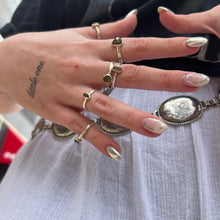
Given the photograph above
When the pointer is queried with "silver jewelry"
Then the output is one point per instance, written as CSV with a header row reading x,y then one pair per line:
x,y
111,128
117,43
58,130
116,68
107,78
177,110
78,139
182,110
87,96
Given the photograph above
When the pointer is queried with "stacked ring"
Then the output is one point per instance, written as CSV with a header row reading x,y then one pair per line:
x,y
96,27
116,69
117,43
109,79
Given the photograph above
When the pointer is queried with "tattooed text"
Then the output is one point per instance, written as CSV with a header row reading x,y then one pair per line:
x,y
34,80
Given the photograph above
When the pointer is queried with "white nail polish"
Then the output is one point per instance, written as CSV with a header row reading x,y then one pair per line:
x,y
113,153
134,11
154,125
164,9
196,79
196,41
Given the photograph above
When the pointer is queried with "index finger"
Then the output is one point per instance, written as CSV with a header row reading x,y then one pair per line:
x,y
120,28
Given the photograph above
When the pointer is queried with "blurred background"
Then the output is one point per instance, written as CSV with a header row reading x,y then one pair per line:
x,y
7,8
23,121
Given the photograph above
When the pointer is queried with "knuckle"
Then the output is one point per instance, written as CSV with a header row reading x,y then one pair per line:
x,y
171,43
97,136
102,105
141,44
131,119
166,79
77,125
116,28
130,73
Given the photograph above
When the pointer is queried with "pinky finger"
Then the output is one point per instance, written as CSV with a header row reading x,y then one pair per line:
x,y
89,131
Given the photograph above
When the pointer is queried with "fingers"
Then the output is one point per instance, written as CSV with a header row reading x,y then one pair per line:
x,y
137,77
204,22
79,124
149,78
120,28
142,77
135,49
120,113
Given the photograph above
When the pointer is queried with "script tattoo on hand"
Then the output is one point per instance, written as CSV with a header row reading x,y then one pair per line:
x,y
34,80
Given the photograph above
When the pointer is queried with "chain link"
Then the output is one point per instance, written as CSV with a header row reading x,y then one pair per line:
x,y
213,102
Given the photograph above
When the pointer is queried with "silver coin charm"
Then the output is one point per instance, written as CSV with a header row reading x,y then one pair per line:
x,y
38,128
110,128
181,110
61,131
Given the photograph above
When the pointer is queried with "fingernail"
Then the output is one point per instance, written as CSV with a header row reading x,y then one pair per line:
x,y
134,11
196,41
164,9
154,125
113,153
196,79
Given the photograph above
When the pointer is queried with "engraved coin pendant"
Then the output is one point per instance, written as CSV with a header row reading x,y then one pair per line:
x,y
111,128
180,110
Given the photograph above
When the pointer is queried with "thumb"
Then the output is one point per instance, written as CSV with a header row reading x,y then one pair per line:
x,y
204,22
121,28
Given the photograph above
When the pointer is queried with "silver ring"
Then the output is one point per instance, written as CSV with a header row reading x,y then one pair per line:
x,y
117,43
78,139
87,96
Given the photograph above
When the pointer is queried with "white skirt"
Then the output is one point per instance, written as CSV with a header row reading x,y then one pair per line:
x,y
174,176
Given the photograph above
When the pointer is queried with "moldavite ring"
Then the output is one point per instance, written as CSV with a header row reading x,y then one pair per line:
x,y
87,96
117,43
110,85
116,69
107,78
96,27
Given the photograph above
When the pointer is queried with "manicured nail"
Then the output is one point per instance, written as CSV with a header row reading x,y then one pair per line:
x,y
154,125
196,41
113,153
196,79
164,9
134,11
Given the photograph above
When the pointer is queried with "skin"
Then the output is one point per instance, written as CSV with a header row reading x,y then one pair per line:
x,y
74,62
204,22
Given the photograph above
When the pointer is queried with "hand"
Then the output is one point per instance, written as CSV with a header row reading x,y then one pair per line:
x,y
204,22
7,104
48,73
